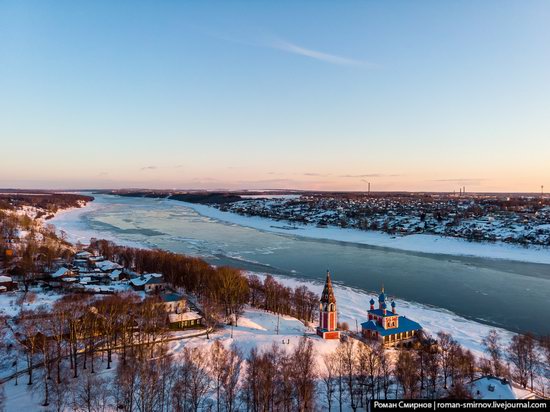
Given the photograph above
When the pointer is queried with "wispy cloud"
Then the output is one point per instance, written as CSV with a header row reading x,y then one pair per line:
x,y
293,48
469,180
316,174
149,168
368,175
289,47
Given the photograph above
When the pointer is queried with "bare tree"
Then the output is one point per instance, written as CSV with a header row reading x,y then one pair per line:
x,y
230,379
27,335
406,373
126,382
347,353
218,355
211,311
92,392
60,390
446,345
524,356
493,347
329,377
303,375
195,361
518,356
385,370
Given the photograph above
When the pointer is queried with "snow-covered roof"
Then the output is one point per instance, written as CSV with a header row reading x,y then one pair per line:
x,y
69,280
171,297
380,312
405,325
60,272
108,265
83,254
179,317
5,279
115,274
148,279
491,387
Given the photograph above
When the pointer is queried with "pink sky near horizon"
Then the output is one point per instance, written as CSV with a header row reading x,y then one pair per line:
x,y
410,96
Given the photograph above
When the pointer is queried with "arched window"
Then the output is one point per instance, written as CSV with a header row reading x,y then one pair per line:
x,y
331,307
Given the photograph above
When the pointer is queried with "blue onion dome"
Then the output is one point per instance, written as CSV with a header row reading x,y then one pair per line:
x,y
393,304
371,301
384,306
382,297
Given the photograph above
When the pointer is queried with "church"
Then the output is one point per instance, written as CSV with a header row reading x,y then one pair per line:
x,y
387,326
328,325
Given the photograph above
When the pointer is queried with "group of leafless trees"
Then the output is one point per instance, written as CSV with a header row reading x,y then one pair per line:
x,y
32,255
78,333
275,297
526,359
222,289
74,346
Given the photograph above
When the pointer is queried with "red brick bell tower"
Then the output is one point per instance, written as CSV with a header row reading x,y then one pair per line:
x,y
327,328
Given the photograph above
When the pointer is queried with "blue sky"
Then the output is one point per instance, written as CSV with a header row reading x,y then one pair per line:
x,y
408,95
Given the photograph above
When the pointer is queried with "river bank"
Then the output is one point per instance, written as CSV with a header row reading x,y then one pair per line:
x,y
420,243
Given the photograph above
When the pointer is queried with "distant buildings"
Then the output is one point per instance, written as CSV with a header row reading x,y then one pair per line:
x,y
482,217
386,325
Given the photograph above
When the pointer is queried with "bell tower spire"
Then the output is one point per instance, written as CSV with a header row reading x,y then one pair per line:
x,y
327,312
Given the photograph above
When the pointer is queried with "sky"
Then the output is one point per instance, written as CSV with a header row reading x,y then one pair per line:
x,y
406,95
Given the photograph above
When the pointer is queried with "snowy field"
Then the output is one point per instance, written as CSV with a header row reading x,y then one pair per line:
x,y
412,243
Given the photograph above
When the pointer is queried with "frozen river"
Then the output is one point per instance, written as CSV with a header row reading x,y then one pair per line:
x,y
511,295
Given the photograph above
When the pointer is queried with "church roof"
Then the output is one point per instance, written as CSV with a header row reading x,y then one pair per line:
x,y
328,294
380,312
405,325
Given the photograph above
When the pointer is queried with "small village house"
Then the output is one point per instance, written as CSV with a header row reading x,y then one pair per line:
x,y
491,387
152,282
7,284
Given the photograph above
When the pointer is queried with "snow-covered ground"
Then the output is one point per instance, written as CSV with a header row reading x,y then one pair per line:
x,y
353,304
413,243
258,329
